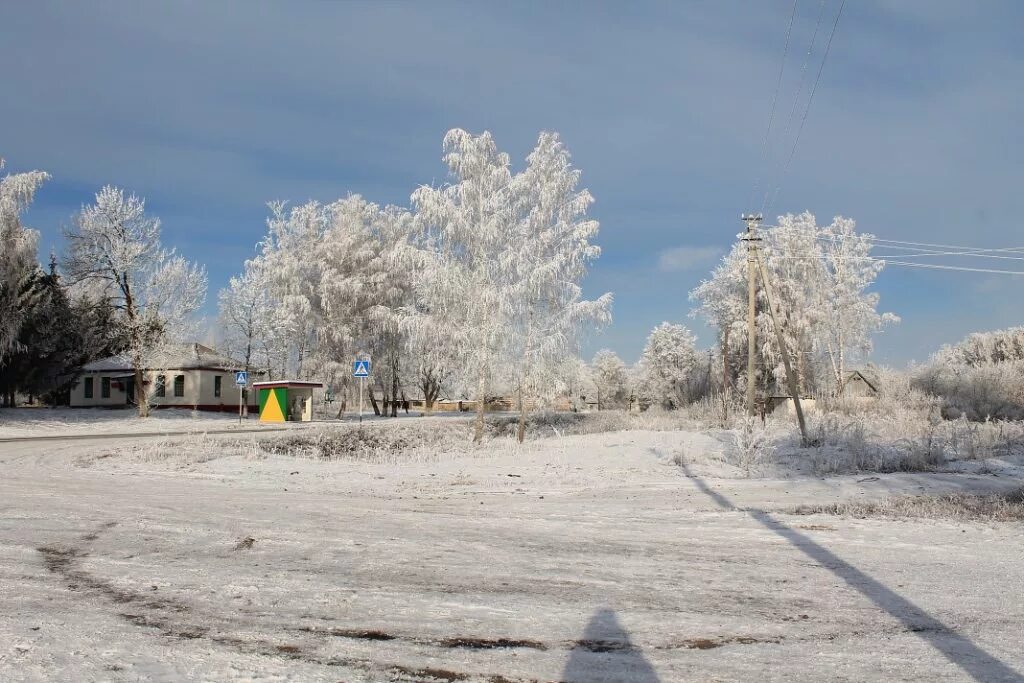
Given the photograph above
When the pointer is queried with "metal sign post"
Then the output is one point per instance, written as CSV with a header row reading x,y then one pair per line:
x,y
241,381
361,369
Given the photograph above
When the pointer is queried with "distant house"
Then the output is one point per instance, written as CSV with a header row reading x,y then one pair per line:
x,y
194,376
857,385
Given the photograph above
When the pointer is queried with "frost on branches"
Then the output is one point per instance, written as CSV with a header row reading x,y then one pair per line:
x,y
18,258
503,260
115,246
668,364
476,288
821,278
610,380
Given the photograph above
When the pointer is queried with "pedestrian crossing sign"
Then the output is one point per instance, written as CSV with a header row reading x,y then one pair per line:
x,y
361,368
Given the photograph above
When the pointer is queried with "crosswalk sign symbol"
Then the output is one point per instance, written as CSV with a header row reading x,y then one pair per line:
x,y
241,378
361,368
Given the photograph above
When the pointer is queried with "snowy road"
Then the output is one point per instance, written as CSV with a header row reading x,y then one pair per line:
x,y
586,559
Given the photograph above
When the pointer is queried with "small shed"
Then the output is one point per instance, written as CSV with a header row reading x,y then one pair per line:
x,y
287,400
857,385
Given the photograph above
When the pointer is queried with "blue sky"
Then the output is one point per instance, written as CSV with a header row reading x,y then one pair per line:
x,y
210,110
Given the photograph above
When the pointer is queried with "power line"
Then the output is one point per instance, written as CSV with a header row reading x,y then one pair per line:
x,y
936,266
775,99
796,96
917,255
888,262
881,240
807,109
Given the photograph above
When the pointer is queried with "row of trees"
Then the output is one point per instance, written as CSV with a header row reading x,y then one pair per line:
x,y
473,289
820,276
980,378
116,292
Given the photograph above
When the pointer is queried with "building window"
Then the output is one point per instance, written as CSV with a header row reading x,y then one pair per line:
x,y
216,386
104,387
179,385
161,386
88,387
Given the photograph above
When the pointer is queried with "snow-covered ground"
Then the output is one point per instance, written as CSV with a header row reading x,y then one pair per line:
x,y
586,558
25,422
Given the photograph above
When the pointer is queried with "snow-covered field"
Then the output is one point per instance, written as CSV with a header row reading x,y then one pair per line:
x,y
35,422
28,422
605,557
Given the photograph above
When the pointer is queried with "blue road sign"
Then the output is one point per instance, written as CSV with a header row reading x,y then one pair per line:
x,y
361,368
241,378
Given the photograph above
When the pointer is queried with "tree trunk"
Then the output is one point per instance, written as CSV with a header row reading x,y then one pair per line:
x,y
521,432
394,388
140,392
373,400
725,376
481,393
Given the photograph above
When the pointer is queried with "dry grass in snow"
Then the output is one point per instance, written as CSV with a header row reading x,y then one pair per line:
x,y
987,507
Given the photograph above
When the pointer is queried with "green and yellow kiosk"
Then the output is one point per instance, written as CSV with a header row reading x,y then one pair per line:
x,y
287,400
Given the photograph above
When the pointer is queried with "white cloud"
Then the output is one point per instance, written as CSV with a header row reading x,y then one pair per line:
x,y
687,258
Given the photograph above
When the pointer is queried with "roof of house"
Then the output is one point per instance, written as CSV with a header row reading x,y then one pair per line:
x,y
184,357
286,383
858,374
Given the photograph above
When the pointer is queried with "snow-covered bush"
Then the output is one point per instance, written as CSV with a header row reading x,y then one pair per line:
x,y
753,445
980,378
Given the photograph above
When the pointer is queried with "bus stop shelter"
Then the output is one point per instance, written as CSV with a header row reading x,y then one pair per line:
x,y
285,400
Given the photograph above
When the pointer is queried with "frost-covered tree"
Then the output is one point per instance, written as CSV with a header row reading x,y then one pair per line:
x,y
821,276
985,348
609,377
293,272
467,225
116,246
365,293
722,302
246,316
551,251
850,315
18,258
669,361
246,313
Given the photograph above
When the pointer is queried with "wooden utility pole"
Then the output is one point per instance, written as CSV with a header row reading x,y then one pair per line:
x,y
751,239
791,379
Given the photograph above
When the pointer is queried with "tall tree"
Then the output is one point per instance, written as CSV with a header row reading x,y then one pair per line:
x,y
289,250
821,277
552,249
365,291
51,345
246,317
722,302
18,258
117,246
467,225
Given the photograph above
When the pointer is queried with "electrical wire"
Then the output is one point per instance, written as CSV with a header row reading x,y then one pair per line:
x,y
807,109
796,96
775,99
884,241
889,262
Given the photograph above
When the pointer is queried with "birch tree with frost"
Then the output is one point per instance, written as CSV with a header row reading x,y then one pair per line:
x,y
466,225
114,244
551,249
669,361
288,251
